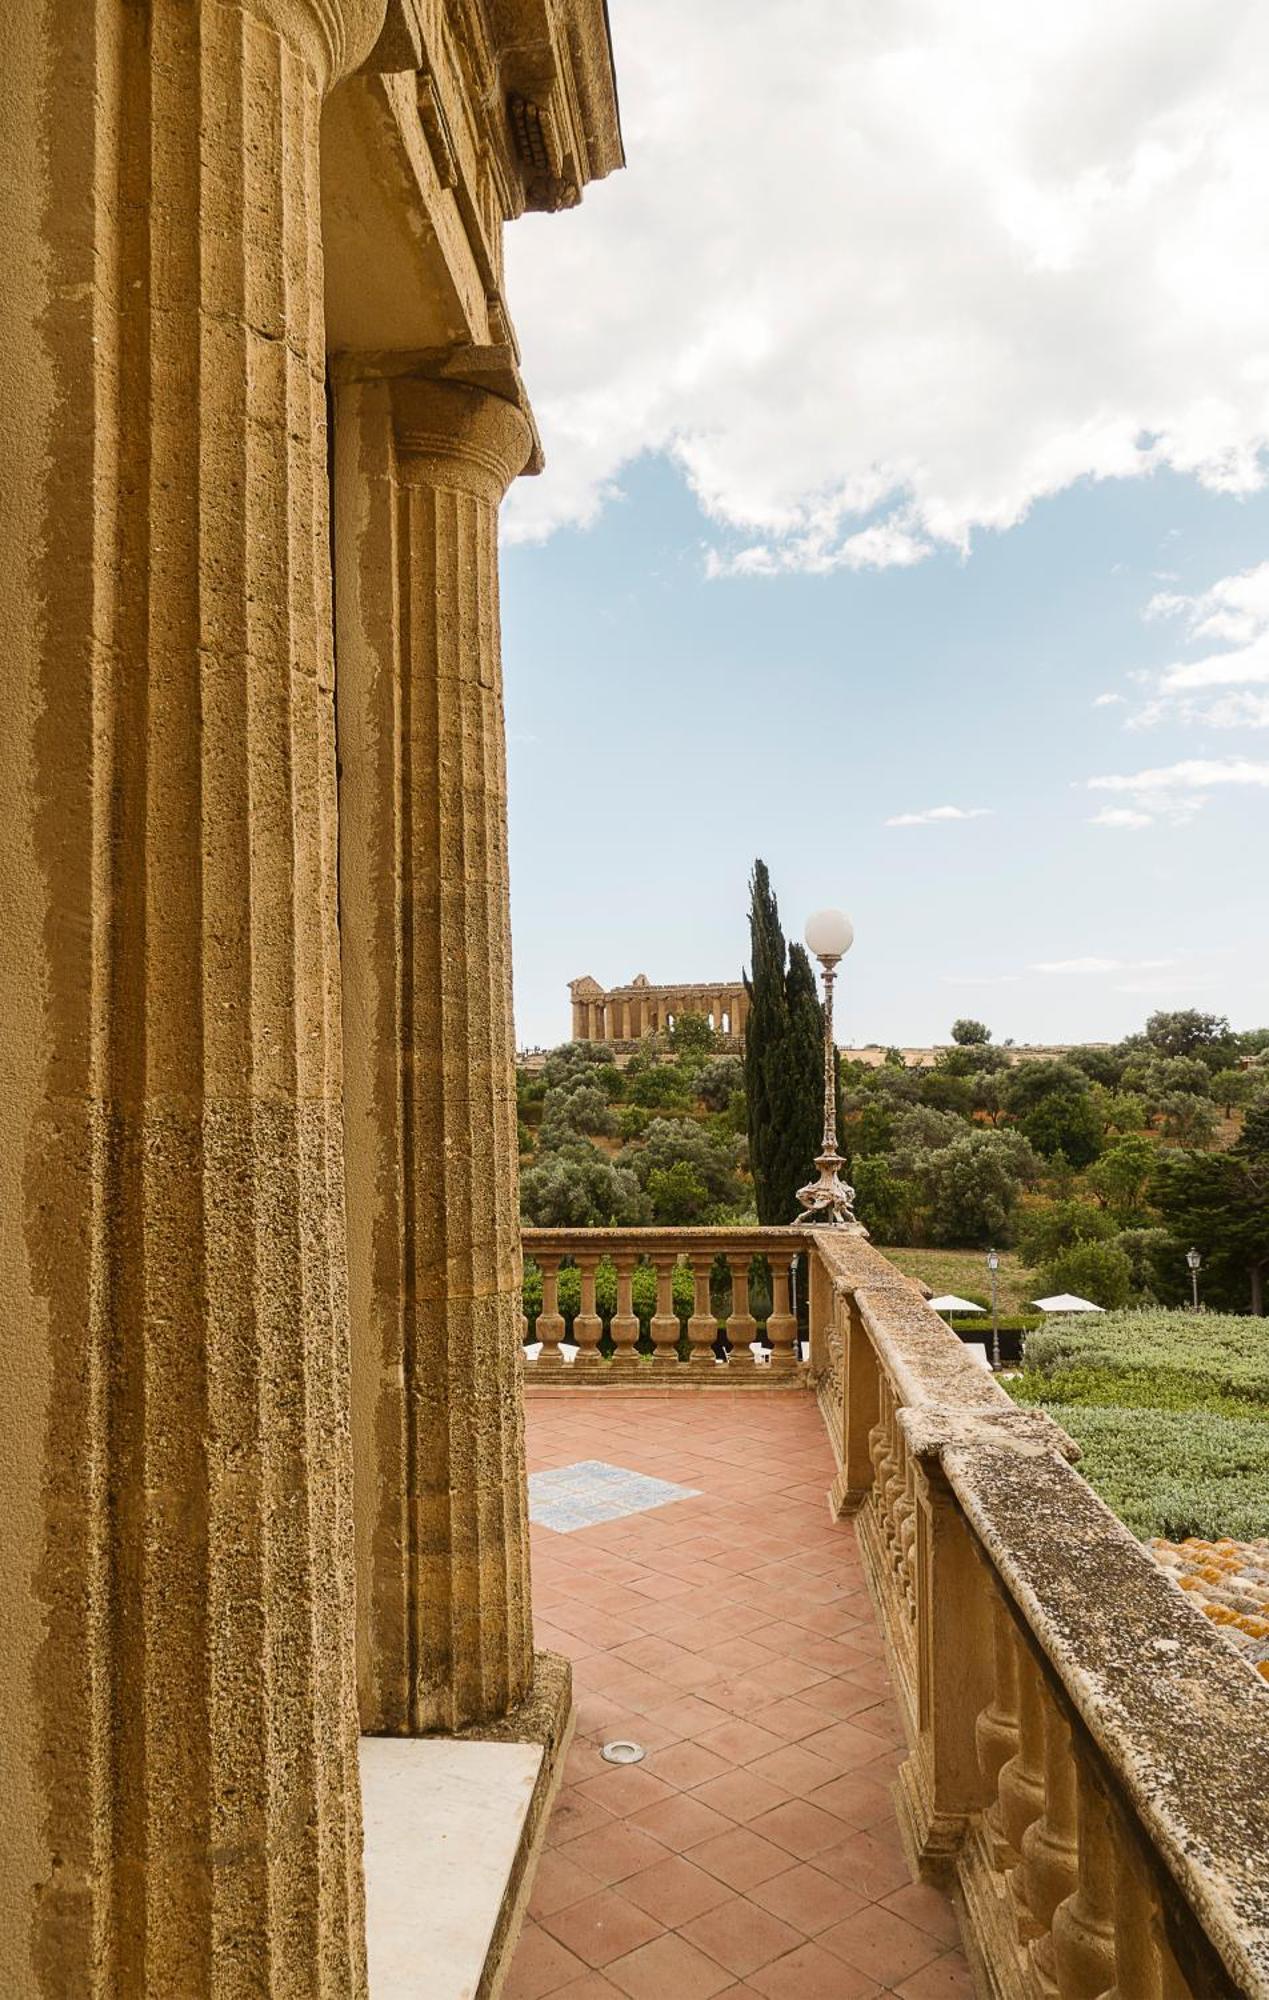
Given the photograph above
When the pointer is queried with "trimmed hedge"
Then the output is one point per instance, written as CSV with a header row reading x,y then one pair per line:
x,y
1153,1359
1173,1473
1171,1411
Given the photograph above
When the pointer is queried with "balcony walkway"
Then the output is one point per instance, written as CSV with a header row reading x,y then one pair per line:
x,y
754,1850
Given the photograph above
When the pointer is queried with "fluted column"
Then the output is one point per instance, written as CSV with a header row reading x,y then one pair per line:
x,y
444,1623
176,1292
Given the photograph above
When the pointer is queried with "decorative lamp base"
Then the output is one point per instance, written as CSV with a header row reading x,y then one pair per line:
x,y
830,1201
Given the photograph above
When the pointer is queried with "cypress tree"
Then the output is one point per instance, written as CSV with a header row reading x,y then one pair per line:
x,y
784,1059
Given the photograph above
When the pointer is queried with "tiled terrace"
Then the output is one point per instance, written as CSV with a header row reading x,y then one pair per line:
x,y
754,1850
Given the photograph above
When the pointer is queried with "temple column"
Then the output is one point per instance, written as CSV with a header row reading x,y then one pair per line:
x,y
183,1812
444,1627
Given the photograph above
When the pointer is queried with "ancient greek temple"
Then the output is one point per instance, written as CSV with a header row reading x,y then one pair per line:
x,y
628,1013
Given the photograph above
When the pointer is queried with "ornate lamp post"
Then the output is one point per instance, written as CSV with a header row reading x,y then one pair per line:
x,y
1195,1263
993,1265
829,1200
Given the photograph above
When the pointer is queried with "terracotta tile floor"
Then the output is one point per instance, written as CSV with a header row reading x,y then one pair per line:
x,y
754,1850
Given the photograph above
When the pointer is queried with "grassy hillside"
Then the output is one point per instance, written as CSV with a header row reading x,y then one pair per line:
x,y
965,1273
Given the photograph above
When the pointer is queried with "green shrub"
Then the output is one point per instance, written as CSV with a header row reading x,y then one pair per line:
x,y
1154,1358
661,1089
1097,1271
1174,1474
1049,1227
978,1326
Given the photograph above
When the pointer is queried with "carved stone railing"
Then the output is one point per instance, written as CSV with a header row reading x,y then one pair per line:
x,y
712,1343
1088,1759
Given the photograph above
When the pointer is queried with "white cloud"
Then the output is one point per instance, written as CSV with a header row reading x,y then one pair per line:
x,y
1094,965
893,273
1175,792
1122,816
1234,612
1191,774
1107,700
933,815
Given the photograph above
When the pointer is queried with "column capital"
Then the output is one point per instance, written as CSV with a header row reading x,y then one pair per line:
x,y
452,434
333,36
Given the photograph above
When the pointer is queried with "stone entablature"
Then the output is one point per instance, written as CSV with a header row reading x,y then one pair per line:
x,y
628,1013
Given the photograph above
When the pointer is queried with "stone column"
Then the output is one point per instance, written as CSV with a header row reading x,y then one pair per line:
x,y
444,1627
184,1815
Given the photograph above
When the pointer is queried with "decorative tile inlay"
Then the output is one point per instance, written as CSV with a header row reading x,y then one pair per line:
x,y
569,1497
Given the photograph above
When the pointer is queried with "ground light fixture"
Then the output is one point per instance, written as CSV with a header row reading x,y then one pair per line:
x,y
1195,1262
829,1201
623,1752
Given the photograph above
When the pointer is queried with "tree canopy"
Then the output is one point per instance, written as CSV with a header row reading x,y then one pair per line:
x,y
784,1060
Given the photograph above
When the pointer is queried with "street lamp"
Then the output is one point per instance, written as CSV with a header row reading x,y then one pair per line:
x,y
1195,1263
993,1265
829,1200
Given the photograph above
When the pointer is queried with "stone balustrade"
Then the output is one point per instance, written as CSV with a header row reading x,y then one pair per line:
x,y
717,1342
1088,1759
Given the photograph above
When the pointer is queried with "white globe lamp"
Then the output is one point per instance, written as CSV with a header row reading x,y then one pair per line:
x,y
829,934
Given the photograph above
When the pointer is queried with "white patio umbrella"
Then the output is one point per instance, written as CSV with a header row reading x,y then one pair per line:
x,y
1066,1302
949,1303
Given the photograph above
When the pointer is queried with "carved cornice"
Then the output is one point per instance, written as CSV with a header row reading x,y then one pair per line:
x,y
538,79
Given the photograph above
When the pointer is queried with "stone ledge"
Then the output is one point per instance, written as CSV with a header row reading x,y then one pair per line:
x,y
453,1827
929,1432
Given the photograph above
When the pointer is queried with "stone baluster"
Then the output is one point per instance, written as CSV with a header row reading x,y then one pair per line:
x,y
906,1508
588,1327
625,1323
1084,1925
879,1446
1050,1851
550,1327
1145,1968
1021,1781
782,1327
742,1327
665,1327
996,1730
702,1328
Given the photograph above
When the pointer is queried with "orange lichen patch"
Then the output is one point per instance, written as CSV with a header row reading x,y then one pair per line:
x,y
1230,1583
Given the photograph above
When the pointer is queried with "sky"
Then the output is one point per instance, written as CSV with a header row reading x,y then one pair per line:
x,y
906,515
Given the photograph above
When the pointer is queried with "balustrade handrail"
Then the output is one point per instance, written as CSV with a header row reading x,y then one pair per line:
x,y
755,1238
1106,1729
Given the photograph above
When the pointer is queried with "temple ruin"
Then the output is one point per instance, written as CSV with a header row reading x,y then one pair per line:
x,y
628,1013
